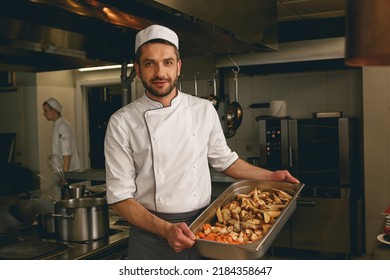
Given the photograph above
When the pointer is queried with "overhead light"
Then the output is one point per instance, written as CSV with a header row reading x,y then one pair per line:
x,y
108,67
367,35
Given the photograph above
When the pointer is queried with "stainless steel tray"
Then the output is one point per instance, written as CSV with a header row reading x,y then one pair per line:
x,y
256,250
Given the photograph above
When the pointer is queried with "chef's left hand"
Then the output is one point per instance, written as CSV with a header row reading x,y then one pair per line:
x,y
284,176
180,237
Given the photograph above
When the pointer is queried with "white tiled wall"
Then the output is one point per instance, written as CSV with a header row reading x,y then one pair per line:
x,y
304,93
376,104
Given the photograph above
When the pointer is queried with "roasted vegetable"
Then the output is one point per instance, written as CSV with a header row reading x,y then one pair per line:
x,y
247,218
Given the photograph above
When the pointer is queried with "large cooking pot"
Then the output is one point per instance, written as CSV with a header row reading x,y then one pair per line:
x,y
81,219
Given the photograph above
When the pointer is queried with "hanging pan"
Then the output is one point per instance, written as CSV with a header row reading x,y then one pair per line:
x,y
234,111
213,98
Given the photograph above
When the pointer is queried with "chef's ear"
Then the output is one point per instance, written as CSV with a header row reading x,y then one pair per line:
x,y
179,63
137,70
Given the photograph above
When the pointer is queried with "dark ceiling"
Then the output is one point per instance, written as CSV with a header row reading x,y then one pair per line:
x,y
48,35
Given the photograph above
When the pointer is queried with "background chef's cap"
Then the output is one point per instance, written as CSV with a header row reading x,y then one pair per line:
x,y
156,32
54,104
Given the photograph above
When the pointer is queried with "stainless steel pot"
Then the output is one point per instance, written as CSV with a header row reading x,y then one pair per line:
x,y
73,191
81,219
46,225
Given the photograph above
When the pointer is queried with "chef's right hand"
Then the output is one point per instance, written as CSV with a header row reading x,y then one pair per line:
x,y
180,237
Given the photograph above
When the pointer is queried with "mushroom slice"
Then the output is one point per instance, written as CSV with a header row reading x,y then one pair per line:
x,y
236,210
272,213
252,223
276,206
266,227
283,195
242,195
254,237
226,215
276,199
246,215
217,224
263,195
236,216
267,217
246,204
218,213
255,194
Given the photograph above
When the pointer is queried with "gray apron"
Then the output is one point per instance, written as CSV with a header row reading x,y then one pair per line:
x,y
144,245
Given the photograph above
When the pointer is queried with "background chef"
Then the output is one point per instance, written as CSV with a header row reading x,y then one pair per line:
x,y
63,140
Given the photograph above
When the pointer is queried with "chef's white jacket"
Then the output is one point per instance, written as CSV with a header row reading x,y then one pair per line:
x,y
64,142
160,155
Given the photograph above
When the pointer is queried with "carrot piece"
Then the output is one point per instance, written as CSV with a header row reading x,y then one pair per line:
x,y
228,239
208,237
219,239
206,226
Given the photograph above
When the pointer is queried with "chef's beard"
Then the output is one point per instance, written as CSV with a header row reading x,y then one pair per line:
x,y
172,86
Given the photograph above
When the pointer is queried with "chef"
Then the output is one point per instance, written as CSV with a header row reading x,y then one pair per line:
x,y
158,150
64,140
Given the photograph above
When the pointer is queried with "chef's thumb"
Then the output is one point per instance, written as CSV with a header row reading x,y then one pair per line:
x,y
186,231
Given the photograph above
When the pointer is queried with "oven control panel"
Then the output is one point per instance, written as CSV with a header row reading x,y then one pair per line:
x,y
274,146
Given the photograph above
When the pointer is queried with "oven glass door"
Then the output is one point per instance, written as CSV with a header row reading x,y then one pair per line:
x,y
318,153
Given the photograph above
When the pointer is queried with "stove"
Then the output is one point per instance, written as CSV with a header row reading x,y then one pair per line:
x,y
29,246
13,248
7,239
26,243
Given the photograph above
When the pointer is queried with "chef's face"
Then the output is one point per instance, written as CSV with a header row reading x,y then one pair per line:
x,y
158,69
49,112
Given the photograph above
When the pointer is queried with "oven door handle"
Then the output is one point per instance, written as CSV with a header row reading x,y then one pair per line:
x,y
290,156
306,204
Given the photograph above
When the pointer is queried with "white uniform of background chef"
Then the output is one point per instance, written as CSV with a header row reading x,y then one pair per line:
x,y
64,140
158,150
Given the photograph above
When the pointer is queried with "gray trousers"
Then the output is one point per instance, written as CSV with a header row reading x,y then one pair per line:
x,y
144,245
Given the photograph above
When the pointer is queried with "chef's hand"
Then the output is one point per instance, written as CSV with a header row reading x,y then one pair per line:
x,y
180,237
284,176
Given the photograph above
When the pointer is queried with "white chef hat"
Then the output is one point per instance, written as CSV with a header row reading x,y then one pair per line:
x,y
156,32
54,104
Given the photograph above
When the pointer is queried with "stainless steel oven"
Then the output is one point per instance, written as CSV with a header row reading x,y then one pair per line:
x,y
325,154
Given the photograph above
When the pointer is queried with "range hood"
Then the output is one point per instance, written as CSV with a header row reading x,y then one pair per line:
x,y
306,55
48,35
253,21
